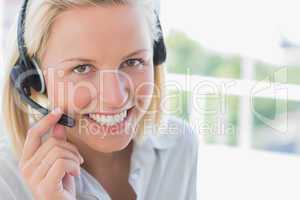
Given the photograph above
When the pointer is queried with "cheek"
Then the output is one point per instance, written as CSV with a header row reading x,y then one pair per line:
x,y
145,87
144,96
81,97
55,90
67,95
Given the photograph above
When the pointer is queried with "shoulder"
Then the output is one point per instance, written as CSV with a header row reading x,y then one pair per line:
x,y
187,136
176,141
176,146
8,163
179,133
11,182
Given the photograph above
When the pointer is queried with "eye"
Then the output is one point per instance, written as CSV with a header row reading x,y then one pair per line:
x,y
134,62
82,69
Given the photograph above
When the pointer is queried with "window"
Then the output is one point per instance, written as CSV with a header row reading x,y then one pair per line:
x,y
230,58
237,64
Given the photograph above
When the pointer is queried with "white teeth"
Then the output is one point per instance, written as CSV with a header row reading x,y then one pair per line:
x,y
109,120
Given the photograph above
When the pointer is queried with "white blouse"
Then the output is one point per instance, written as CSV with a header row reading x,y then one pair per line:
x,y
164,166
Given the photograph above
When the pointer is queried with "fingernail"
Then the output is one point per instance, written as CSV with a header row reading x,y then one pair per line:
x,y
57,111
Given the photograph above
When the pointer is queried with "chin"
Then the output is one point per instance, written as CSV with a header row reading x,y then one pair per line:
x,y
109,143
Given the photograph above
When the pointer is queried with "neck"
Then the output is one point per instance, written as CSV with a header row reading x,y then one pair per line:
x,y
99,163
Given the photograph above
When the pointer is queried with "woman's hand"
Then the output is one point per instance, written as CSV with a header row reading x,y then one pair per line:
x,y
48,168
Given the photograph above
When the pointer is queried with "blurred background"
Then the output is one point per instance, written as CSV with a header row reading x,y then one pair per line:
x,y
233,74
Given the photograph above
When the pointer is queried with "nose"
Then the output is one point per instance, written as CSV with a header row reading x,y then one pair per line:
x,y
112,90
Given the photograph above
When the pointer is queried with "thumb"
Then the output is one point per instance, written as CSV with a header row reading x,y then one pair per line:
x,y
59,132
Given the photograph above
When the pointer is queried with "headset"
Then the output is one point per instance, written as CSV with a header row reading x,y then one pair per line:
x,y
26,73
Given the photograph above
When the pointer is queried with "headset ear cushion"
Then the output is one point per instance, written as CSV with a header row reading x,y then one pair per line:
x,y
159,52
14,76
39,84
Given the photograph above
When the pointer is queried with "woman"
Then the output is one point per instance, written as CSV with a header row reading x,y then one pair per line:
x,y
96,57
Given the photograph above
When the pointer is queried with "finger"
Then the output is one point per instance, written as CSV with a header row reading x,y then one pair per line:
x,y
47,147
69,183
59,170
35,133
58,132
49,161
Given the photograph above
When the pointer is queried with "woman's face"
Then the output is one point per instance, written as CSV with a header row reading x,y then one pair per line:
x,y
98,60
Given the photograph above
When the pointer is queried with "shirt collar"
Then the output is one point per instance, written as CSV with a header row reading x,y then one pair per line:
x,y
142,160
165,136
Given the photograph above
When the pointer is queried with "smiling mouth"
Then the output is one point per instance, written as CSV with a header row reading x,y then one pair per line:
x,y
109,119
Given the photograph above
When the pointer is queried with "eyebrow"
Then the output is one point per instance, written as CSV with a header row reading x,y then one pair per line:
x,y
89,60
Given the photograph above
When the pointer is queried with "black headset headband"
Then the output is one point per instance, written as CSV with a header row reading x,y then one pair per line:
x,y
26,73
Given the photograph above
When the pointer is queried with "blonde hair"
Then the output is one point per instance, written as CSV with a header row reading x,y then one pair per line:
x,y
40,16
